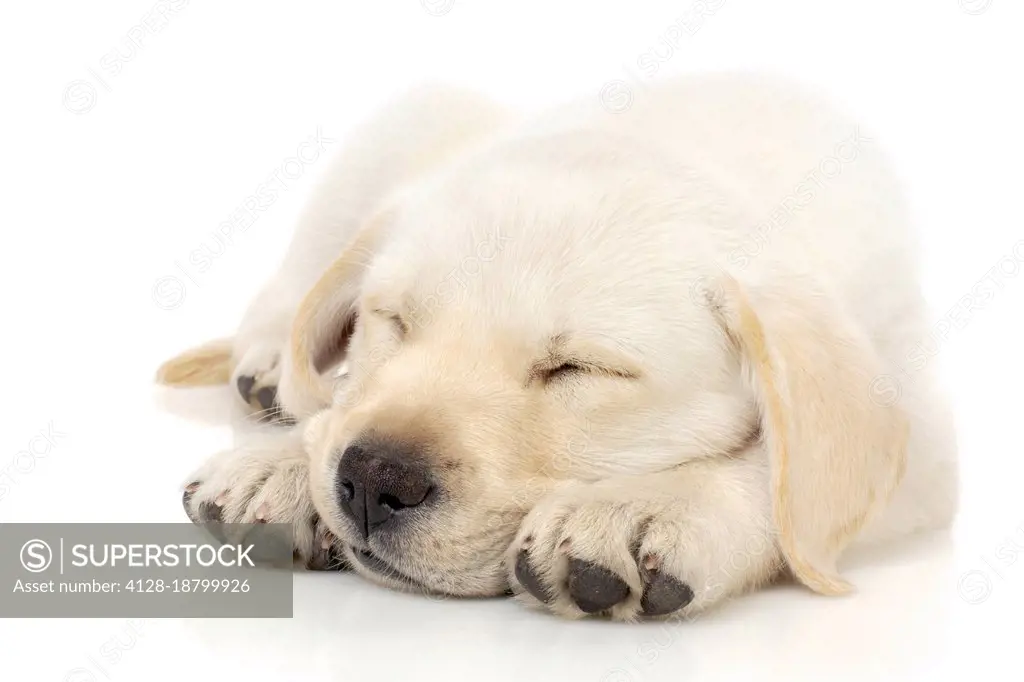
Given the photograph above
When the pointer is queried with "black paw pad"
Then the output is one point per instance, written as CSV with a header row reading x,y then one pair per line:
x,y
211,518
664,594
272,410
528,578
267,397
595,588
186,499
209,513
244,386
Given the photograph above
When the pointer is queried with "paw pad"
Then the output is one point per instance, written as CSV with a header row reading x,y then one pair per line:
x,y
186,497
528,578
663,593
244,386
594,588
264,399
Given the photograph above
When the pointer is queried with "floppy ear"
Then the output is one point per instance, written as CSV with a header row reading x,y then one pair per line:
x,y
324,323
836,455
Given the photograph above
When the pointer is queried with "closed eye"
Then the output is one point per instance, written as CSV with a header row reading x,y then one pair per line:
x,y
576,368
561,371
395,319
580,360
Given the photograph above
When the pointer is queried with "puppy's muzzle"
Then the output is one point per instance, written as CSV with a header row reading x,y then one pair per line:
x,y
382,482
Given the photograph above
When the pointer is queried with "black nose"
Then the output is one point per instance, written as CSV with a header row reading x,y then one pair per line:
x,y
380,482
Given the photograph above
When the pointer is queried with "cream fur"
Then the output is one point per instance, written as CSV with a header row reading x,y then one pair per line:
x,y
731,260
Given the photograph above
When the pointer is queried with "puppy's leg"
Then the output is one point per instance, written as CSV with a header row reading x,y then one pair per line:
x,y
674,542
258,345
265,483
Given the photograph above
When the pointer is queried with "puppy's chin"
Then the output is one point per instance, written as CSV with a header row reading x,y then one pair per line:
x,y
481,582
369,565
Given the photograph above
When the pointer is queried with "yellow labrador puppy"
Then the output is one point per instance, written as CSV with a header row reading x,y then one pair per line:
x,y
627,364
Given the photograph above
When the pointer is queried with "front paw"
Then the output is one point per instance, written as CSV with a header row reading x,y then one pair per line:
x,y
263,486
256,379
579,553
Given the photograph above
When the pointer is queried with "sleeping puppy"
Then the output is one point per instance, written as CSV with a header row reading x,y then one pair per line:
x,y
627,364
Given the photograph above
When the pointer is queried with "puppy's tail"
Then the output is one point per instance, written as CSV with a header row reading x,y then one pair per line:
x,y
205,365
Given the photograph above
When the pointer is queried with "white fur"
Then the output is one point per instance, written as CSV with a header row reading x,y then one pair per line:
x,y
667,221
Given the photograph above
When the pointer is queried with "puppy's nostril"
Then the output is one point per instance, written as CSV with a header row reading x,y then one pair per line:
x,y
347,490
394,503
390,502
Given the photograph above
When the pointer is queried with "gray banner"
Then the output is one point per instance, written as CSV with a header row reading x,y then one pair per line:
x,y
164,570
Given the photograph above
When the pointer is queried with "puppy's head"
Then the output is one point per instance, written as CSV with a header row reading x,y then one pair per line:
x,y
504,331
499,333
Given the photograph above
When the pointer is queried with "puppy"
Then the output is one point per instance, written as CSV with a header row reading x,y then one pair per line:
x,y
627,364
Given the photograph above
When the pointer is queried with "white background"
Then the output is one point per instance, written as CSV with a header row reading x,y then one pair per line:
x,y
110,180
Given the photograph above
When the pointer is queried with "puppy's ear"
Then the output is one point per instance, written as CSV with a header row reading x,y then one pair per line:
x,y
324,324
836,455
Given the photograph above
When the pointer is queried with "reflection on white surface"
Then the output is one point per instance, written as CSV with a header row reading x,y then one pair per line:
x,y
907,621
